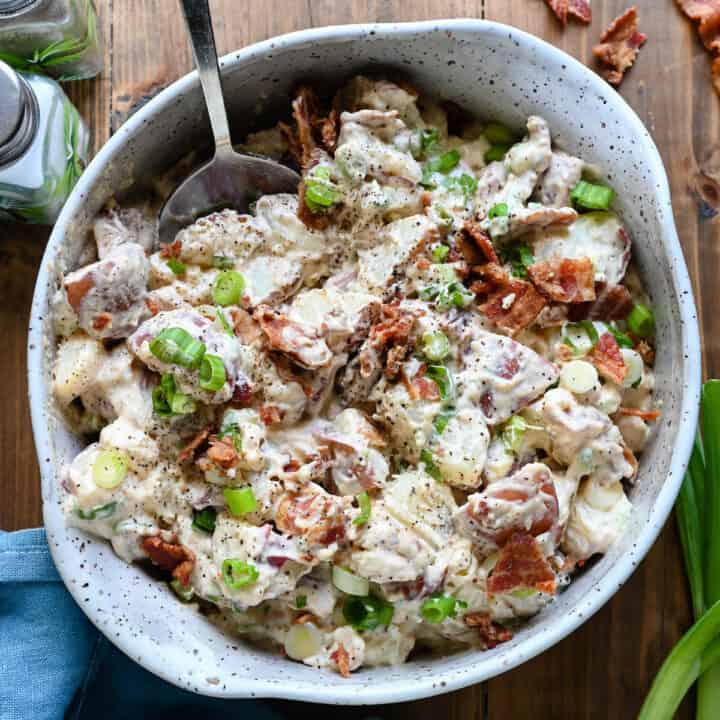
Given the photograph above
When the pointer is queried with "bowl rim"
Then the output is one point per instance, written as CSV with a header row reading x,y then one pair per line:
x,y
441,681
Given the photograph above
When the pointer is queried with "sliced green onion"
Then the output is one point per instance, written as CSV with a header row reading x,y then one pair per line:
x,y
233,431
623,340
438,607
454,294
513,433
205,519
444,380
348,582
520,257
524,593
169,343
240,500
320,192
592,197
424,142
442,164
110,468
167,401
100,512
495,153
442,419
303,641
430,467
365,509
228,288
497,134
300,601
440,253
367,613
435,346
466,184
498,210
447,272
223,262
641,321
238,574
176,266
184,593
212,373
223,321
589,327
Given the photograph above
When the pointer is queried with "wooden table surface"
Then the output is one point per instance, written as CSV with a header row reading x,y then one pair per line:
x,y
604,669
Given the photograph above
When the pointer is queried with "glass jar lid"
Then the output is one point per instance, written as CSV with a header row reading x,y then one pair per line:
x,y
18,114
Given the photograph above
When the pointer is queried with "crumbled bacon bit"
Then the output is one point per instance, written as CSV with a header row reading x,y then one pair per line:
x,y
490,632
317,517
102,320
271,415
171,250
427,389
222,452
579,9
647,415
481,241
342,660
607,358
188,452
710,32
305,617
245,326
152,305
394,360
619,46
242,392
614,303
173,557
565,280
521,564
511,304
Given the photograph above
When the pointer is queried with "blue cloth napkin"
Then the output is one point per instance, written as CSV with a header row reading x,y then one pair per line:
x,y
54,664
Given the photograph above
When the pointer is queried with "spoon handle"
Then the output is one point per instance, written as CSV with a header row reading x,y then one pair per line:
x,y
199,25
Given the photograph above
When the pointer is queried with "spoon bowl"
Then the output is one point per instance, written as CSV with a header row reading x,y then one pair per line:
x,y
230,179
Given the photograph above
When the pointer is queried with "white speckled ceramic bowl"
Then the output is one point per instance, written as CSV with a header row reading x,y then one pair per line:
x,y
494,71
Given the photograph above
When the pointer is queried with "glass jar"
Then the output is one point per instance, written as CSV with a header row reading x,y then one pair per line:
x,y
43,147
57,37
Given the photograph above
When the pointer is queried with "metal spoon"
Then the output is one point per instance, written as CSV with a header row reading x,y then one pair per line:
x,y
229,179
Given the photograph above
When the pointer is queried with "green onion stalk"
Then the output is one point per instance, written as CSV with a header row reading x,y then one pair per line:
x,y
697,655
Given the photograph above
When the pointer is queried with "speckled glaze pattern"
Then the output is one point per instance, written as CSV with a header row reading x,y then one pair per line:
x,y
493,71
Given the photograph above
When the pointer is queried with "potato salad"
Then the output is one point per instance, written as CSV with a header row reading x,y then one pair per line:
x,y
396,411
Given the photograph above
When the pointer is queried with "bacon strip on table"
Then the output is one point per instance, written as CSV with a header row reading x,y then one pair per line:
x,y
511,304
607,359
565,280
619,46
707,13
521,564
579,9
491,633
173,557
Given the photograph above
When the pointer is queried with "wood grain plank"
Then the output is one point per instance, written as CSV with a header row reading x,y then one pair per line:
x,y
605,668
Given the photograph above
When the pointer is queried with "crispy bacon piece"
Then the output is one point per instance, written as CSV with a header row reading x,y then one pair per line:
x,y
270,415
521,564
421,387
222,452
342,660
171,250
647,415
710,32
173,557
394,360
242,392
482,241
646,352
244,326
608,359
612,303
707,12
317,517
188,452
301,343
579,9
565,280
329,130
491,633
699,9
152,305
619,46
512,304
